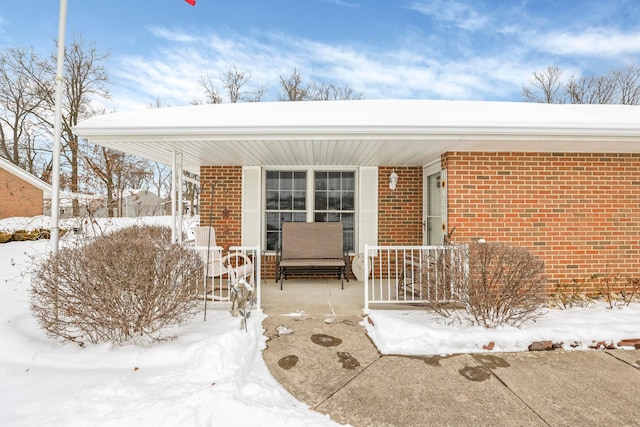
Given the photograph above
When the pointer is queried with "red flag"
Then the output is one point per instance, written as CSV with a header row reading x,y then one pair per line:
x,y
191,2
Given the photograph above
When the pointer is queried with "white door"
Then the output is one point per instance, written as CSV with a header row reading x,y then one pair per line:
x,y
434,234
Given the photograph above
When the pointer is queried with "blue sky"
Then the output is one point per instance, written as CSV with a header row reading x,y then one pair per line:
x,y
433,49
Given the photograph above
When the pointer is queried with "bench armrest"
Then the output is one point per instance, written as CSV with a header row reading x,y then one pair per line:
x,y
278,259
347,263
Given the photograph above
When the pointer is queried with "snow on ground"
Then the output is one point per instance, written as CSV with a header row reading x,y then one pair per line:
x,y
577,328
212,373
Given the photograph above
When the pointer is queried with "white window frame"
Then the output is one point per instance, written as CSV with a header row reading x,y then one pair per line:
x,y
428,170
310,197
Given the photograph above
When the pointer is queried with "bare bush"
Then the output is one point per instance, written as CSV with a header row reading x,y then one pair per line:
x,y
124,286
568,296
631,290
497,284
435,277
507,284
616,294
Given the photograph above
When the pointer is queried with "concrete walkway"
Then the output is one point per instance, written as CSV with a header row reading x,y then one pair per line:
x,y
328,362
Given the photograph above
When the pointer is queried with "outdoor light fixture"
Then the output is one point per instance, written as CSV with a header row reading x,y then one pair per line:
x,y
393,180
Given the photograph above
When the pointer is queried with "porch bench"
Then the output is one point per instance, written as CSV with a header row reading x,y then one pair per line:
x,y
312,246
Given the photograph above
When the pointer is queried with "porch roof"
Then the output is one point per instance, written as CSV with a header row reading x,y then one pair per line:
x,y
360,132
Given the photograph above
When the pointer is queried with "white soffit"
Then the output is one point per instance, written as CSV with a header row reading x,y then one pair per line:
x,y
362,132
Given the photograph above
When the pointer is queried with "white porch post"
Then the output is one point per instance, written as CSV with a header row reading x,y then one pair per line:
x,y
176,196
173,197
179,204
57,132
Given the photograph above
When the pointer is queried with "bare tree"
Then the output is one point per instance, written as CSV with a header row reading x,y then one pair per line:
x,y
233,81
116,171
614,87
627,82
84,80
212,94
293,88
591,90
161,178
331,92
192,191
20,100
546,87
158,103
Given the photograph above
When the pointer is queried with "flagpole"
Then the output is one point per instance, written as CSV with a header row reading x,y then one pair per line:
x,y
57,131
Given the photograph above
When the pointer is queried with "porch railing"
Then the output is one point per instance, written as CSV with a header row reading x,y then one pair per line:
x,y
239,262
413,274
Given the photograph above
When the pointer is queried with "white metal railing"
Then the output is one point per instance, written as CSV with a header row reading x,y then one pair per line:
x,y
412,274
222,271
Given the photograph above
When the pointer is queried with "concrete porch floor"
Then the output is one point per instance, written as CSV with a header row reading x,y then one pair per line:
x,y
320,297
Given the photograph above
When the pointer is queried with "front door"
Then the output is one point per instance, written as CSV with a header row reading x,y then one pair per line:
x,y
433,208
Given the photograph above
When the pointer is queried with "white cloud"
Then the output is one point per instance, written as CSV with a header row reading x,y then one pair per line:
x,y
462,15
413,70
171,35
171,74
343,3
591,42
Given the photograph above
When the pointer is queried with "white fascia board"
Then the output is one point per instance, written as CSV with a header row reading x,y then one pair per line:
x,y
360,133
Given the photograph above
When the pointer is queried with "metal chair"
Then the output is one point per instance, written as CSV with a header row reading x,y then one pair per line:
x,y
232,267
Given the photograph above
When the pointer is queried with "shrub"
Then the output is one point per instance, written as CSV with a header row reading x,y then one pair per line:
x,y
496,284
123,286
567,296
631,290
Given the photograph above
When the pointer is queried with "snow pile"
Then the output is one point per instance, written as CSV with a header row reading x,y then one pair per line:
x,y
90,225
422,333
211,374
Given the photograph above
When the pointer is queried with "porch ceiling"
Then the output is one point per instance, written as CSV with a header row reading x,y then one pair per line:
x,y
382,132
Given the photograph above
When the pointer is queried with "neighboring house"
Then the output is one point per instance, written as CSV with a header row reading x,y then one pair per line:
x,y
21,194
134,203
561,180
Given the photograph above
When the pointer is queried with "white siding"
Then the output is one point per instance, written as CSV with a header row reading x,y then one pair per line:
x,y
251,205
367,206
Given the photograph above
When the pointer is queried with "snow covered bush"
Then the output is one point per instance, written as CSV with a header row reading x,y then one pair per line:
x,y
495,283
124,286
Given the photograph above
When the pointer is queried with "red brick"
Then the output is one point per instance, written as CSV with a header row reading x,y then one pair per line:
x,y
18,197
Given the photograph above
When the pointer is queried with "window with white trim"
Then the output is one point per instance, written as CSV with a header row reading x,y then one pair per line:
x,y
288,197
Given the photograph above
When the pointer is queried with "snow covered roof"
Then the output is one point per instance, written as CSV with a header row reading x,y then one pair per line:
x,y
26,176
361,132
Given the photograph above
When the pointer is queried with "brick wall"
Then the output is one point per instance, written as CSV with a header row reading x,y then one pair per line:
x,y
579,212
400,210
222,203
18,197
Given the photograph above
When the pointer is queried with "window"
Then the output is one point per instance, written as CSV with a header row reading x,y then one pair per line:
x,y
334,201
288,197
285,201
